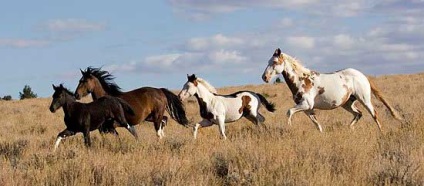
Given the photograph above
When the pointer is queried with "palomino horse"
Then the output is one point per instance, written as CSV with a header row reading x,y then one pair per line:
x,y
312,90
148,103
221,109
85,117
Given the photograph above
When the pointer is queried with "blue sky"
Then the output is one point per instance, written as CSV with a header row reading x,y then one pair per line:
x,y
227,42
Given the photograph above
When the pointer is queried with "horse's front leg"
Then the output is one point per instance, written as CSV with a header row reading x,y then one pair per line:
x,y
221,123
203,123
302,106
62,135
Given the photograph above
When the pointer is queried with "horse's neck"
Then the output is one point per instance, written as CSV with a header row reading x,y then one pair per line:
x,y
69,105
205,94
292,79
98,90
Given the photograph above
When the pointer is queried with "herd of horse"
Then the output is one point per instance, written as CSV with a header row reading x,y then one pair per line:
x,y
111,107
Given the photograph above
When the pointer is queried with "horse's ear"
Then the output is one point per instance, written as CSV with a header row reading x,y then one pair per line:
x,y
61,86
82,72
277,52
191,78
54,87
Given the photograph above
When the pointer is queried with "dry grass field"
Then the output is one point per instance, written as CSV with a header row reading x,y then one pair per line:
x,y
272,154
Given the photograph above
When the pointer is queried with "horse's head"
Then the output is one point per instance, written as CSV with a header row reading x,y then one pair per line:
x,y
85,85
60,96
275,66
189,88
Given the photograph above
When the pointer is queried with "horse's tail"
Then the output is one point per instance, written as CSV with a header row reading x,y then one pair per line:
x,y
380,97
127,107
175,107
268,105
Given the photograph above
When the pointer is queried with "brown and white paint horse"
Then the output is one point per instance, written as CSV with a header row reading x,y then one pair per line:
x,y
221,109
312,90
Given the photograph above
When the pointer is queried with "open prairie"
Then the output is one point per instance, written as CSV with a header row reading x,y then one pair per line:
x,y
272,154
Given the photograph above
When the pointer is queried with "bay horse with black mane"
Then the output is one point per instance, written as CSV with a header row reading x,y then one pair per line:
x,y
312,90
148,103
86,117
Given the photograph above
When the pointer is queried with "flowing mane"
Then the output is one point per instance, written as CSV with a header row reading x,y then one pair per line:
x,y
296,65
207,85
61,87
106,80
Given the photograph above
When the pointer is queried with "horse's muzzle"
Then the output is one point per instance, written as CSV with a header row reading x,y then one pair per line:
x,y
52,109
265,78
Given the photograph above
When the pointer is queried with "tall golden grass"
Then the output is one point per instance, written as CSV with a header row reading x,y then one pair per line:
x,y
273,154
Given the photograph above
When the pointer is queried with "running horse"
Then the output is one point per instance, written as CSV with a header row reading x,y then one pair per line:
x,y
221,109
313,90
86,117
148,103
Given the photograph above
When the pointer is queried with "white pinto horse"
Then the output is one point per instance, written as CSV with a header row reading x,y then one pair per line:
x,y
312,90
221,109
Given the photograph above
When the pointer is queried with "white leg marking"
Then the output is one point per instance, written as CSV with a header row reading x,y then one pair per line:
x,y
221,123
195,129
56,144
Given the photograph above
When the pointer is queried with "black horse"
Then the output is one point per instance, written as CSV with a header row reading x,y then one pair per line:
x,y
86,117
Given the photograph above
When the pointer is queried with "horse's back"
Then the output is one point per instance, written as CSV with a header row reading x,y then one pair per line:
x,y
144,96
144,101
236,103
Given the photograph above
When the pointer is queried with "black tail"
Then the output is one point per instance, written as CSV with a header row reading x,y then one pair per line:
x,y
268,105
175,107
127,108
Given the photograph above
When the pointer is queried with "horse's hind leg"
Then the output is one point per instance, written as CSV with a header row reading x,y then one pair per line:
x,y
87,139
258,119
368,105
107,127
311,115
373,113
350,107
120,118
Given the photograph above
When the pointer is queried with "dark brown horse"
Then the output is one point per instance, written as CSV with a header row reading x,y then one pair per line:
x,y
86,117
149,103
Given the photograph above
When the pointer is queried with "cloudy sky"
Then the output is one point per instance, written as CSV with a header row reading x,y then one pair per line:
x,y
227,42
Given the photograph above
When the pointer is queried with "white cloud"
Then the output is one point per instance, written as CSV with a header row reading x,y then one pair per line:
x,y
23,43
202,10
214,42
343,41
286,22
301,41
226,57
178,62
73,25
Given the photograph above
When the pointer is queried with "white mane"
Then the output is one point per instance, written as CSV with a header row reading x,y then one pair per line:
x,y
296,65
207,85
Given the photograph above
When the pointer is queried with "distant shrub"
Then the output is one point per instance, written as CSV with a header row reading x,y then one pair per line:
x,y
278,80
7,98
27,93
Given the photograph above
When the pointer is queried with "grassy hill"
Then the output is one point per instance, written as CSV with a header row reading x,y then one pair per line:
x,y
274,154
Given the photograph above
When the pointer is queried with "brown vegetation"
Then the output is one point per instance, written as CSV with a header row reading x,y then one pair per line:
x,y
274,154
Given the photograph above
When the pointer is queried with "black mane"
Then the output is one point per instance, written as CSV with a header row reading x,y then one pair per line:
x,y
59,89
106,80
